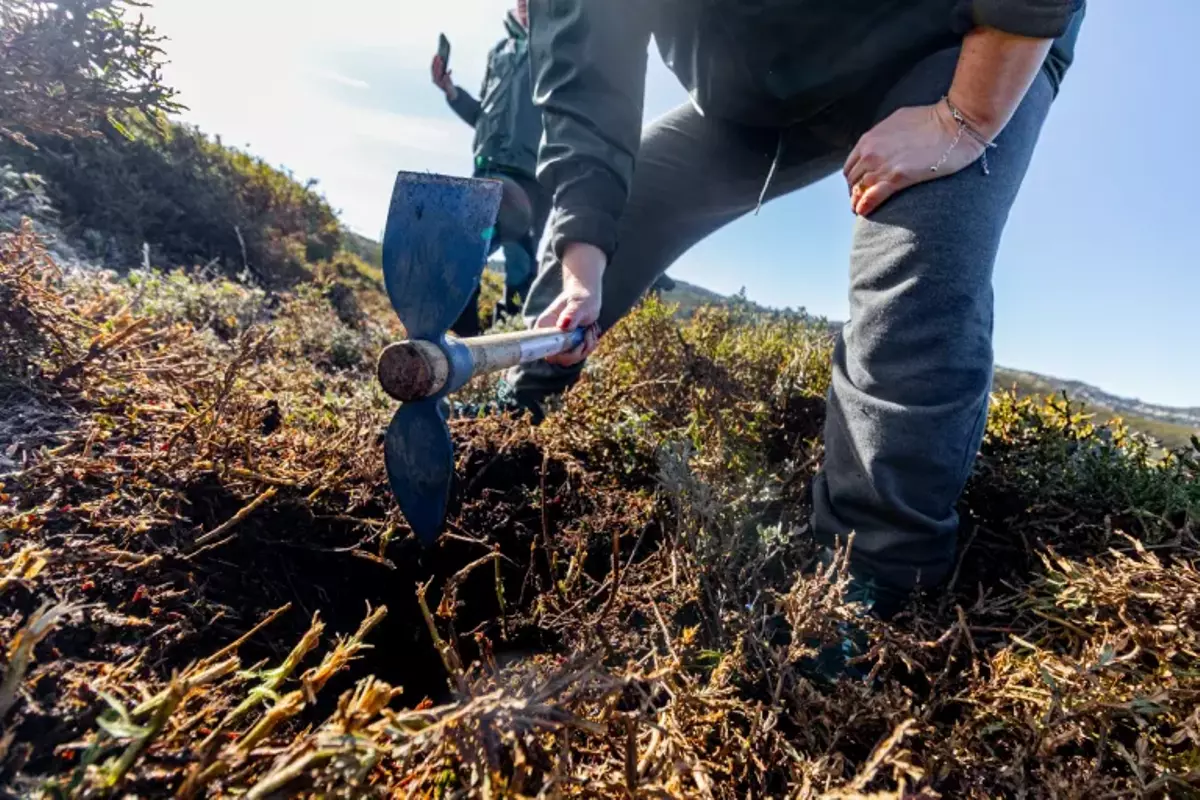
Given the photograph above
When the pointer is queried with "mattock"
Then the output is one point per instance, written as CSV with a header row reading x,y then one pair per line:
x,y
435,245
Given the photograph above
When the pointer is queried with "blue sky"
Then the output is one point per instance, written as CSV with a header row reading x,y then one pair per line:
x,y
1098,277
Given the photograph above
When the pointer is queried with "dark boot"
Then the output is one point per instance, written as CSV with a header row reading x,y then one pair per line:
x,y
505,401
833,661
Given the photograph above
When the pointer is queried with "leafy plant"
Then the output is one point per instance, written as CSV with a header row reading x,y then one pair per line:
x,y
66,66
193,200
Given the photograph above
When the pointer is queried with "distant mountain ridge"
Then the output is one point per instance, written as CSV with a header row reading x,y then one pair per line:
x,y
689,297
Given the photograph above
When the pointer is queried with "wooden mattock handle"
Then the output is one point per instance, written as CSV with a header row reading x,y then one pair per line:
x,y
416,369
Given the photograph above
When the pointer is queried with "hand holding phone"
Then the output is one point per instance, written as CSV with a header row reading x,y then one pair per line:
x,y
440,68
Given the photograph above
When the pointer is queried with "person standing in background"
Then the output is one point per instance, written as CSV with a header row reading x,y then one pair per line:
x,y
508,128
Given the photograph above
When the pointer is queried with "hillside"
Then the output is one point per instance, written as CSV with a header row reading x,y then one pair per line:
x,y
689,297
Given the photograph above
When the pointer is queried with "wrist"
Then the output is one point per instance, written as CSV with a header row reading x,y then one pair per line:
x,y
987,122
994,70
584,263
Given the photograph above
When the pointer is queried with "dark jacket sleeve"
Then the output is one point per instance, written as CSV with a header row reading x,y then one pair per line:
x,y
1040,19
589,71
465,106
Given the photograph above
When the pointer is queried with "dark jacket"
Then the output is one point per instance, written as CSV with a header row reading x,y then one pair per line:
x,y
771,63
507,125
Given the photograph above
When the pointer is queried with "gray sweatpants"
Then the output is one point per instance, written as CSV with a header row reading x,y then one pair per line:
x,y
912,368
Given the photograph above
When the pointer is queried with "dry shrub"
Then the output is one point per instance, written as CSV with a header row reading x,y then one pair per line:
x,y
31,320
621,606
1103,673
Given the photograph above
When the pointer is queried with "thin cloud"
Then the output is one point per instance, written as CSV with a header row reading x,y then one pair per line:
x,y
339,79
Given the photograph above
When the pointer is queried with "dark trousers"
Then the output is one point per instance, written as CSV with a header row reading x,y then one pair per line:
x,y
520,259
912,369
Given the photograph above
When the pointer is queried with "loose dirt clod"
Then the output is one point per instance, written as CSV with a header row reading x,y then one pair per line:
x,y
206,589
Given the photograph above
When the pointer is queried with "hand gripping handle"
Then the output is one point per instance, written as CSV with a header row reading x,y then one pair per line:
x,y
415,369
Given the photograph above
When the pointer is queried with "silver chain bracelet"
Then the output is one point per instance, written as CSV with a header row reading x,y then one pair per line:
x,y
963,127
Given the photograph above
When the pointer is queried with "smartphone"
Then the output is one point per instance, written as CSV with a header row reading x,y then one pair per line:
x,y
443,50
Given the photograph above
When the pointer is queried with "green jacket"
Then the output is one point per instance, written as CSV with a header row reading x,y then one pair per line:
x,y
770,63
507,125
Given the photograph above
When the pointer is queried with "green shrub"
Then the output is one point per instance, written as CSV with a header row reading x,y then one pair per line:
x,y
68,65
221,305
727,382
345,350
366,249
1051,471
191,198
